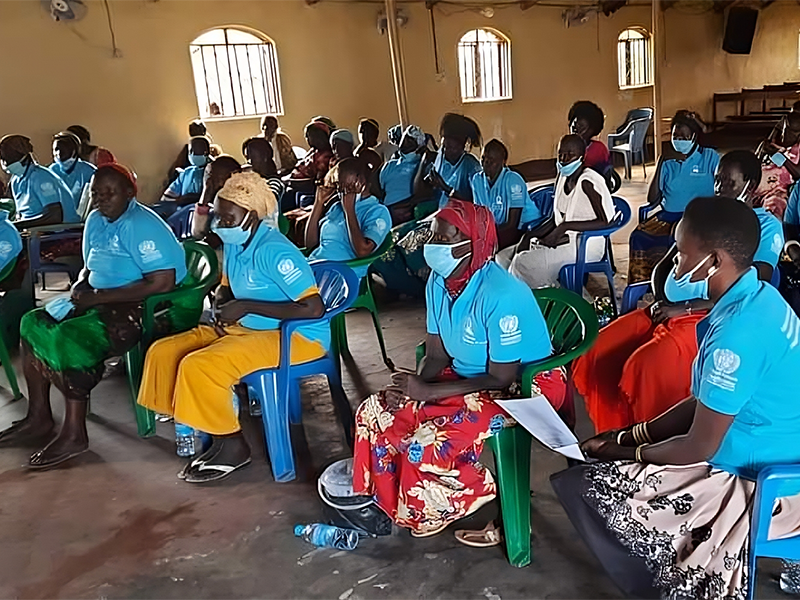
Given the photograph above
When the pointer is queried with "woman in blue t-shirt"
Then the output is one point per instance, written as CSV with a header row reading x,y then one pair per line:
x,y
676,520
418,441
130,254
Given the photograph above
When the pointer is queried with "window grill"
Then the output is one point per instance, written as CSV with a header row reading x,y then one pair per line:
x,y
634,59
484,65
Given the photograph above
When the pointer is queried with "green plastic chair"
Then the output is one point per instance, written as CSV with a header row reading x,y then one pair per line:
x,y
283,224
5,343
573,329
365,299
181,310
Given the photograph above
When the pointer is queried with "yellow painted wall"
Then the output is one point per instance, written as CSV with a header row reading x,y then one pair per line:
x,y
333,61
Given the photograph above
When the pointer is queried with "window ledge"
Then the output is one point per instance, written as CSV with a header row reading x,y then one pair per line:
x,y
635,87
484,100
239,117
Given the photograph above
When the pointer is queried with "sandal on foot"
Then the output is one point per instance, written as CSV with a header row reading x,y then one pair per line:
x,y
196,462
38,463
205,472
484,538
431,533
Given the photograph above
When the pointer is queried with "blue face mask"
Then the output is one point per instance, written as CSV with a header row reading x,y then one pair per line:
x,y
683,146
684,289
198,160
68,163
233,236
59,308
16,168
569,168
440,257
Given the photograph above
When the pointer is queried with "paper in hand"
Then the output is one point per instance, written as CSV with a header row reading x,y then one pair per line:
x,y
540,419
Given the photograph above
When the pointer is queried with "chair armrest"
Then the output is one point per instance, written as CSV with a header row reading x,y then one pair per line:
x,y
150,304
646,210
624,136
56,228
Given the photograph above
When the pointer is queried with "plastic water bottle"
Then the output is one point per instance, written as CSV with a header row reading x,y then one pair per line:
x,y
184,440
790,577
255,403
327,536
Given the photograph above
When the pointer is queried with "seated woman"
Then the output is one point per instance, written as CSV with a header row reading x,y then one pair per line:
x,y
130,254
676,522
259,154
73,171
40,197
641,364
582,203
186,188
396,179
217,172
368,133
502,191
342,145
282,151
587,120
454,167
265,280
346,225
677,181
781,166
418,442
97,155
311,170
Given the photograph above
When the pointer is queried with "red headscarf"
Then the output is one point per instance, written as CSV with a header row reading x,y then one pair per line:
x,y
477,223
124,171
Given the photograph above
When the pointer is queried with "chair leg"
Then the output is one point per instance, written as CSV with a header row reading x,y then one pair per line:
x,y
342,406
275,419
628,160
295,403
386,360
339,330
145,418
512,456
8,367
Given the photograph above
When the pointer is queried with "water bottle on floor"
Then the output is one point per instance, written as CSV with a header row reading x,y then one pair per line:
x,y
327,536
184,440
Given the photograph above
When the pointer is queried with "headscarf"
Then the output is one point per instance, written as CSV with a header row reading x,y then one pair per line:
x,y
342,134
122,170
251,191
416,134
320,125
323,119
395,134
19,144
477,223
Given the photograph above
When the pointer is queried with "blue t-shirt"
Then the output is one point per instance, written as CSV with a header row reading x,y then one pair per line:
x,y
509,191
374,221
457,176
189,181
771,242
397,178
76,179
137,243
683,181
39,187
792,214
272,269
747,366
10,241
495,318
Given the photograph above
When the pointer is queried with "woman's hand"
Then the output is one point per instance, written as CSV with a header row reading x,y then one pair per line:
x,y
552,239
604,447
437,181
411,386
83,299
661,312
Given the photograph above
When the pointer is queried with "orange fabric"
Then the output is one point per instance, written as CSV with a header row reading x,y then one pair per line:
x,y
637,370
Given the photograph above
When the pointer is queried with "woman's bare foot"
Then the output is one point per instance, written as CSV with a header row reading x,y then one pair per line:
x,y
68,444
29,429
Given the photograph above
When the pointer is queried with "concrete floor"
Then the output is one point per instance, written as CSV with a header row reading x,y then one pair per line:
x,y
117,523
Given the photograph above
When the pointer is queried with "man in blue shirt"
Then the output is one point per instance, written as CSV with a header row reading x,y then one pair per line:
x,y
41,198
73,171
188,185
398,174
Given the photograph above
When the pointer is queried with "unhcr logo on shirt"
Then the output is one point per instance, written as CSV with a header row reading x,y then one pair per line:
x,y
289,270
509,330
149,252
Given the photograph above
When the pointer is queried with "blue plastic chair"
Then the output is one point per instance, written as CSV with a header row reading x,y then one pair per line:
x,y
777,481
646,210
543,197
573,277
278,389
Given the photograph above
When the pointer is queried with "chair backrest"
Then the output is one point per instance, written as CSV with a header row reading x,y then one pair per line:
x,y
338,285
365,261
634,114
299,152
201,263
640,127
571,321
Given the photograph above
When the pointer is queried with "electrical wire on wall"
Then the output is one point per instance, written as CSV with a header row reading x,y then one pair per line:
x,y
115,51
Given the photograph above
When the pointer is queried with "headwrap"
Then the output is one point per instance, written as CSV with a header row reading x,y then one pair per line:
x,y
251,191
477,223
122,170
416,134
395,134
320,125
327,120
19,144
342,134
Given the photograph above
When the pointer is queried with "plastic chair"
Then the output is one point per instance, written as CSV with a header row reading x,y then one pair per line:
x,y
62,232
629,138
203,274
7,344
632,294
278,389
543,197
774,482
365,299
573,277
573,328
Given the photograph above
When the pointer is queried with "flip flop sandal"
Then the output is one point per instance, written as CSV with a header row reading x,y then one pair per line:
x,y
196,462
204,472
53,462
485,538
431,533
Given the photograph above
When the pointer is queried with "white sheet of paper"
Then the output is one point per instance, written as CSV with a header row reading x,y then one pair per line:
x,y
540,419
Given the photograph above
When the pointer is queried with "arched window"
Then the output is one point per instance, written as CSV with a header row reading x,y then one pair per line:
x,y
634,58
236,74
484,66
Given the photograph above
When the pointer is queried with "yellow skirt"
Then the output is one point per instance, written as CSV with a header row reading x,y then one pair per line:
x,y
191,375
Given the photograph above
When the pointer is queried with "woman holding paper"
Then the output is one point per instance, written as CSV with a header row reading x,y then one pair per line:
x,y
667,512
130,254
418,441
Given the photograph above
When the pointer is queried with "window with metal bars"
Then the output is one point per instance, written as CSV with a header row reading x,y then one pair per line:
x,y
634,58
484,66
236,74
